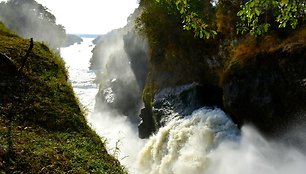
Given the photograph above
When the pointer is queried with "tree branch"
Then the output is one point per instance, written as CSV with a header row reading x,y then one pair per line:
x,y
25,58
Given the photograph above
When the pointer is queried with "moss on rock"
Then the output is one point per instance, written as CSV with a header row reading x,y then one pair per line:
x,y
265,86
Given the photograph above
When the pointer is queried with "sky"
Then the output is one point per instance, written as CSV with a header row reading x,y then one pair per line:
x,y
90,16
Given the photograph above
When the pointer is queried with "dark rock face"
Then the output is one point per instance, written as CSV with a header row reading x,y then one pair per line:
x,y
177,102
120,62
115,97
268,89
146,126
137,51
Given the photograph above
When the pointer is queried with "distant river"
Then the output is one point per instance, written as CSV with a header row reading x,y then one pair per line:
x,y
77,59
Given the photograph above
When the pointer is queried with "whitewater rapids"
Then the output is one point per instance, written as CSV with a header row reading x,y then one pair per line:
x,y
184,145
207,142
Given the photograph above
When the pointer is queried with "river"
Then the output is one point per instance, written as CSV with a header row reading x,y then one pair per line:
x,y
82,79
119,134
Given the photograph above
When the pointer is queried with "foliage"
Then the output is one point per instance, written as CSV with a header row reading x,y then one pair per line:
x,y
165,20
257,16
5,31
226,17
39,111
251,47
193,20
156,27
192,15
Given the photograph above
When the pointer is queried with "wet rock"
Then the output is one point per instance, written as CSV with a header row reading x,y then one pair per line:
x,y
120,96
146,126
177,102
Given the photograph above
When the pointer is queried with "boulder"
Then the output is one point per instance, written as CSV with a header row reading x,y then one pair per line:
x,y
121,96
177,101
146,127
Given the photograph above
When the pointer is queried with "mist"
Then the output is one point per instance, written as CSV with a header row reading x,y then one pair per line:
x,y
30,19
120,137
120,62
255,154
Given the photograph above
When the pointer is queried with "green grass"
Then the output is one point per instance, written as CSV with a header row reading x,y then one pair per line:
x,y
48,129
5,31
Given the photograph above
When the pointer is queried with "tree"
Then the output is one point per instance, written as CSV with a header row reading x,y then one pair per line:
x,y
31,19
257,16
193,14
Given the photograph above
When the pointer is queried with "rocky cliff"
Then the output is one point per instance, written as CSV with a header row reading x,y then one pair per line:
x,y
266,88
262,80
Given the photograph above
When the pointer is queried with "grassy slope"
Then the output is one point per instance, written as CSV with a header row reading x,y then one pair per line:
x,y
48,129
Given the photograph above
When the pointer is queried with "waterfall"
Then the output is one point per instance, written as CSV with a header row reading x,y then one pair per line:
x,y
184,145
207,142
204,141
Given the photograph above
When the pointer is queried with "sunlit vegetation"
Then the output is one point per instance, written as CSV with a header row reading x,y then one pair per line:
x,y
258,17
42,127
255,16
250,47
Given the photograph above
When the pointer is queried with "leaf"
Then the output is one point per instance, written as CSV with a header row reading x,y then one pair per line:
x,y
251,3
284,2
282,25
201,34
193,25
240,13
207,34
257,11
